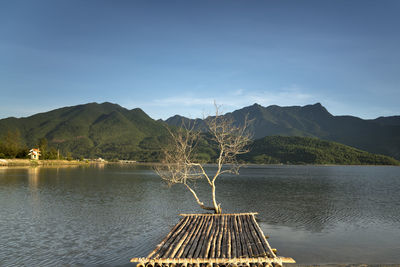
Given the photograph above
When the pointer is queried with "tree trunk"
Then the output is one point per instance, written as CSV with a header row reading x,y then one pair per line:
x,y
201,204
217,208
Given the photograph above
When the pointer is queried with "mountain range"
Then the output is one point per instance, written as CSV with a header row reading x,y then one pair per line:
x,y
381,135
107,129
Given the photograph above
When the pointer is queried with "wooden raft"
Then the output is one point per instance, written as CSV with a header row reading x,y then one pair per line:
x,y
219,239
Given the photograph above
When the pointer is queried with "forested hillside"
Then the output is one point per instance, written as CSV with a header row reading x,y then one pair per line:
x,y
112,132
381,136
306,150
90,130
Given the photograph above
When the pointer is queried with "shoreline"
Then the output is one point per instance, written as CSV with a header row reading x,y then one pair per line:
x,y
35,163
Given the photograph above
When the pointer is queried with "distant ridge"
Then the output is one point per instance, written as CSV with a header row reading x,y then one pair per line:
x,y
111,131
381,135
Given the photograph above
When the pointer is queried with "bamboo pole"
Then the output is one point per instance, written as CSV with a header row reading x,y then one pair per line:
x,y
229,247
213,260
224,242
183,238
188,239
205,238
167,246
211,237
233,238
176,243
168,236
214,242
252,250
237,237
199,240
219,242
196,239
257,241
193,237
262,236
245,249
250,247
222,214
199,247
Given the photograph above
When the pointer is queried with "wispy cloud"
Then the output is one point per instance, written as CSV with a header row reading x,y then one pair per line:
x,y
292,95
181,100
196,104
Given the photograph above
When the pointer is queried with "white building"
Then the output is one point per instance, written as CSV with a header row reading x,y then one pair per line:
x,y
34,153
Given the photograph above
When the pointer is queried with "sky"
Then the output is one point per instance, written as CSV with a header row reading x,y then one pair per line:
x,y
178,57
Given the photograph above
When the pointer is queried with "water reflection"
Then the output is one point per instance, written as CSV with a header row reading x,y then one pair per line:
x,y
33,177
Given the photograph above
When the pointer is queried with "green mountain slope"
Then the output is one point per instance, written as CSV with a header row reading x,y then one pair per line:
x,y
90,130
380,136
110,131
307,150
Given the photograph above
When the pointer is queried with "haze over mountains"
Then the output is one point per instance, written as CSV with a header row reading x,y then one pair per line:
x,y
106,129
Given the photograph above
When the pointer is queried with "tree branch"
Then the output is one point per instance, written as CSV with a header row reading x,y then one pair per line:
x,y
201,204
180,165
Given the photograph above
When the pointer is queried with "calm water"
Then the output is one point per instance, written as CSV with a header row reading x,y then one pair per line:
x,y
92,216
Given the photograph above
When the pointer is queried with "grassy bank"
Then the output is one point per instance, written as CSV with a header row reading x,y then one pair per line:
x,y
28,162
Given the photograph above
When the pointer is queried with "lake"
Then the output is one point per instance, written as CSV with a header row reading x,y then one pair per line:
x,y
105,215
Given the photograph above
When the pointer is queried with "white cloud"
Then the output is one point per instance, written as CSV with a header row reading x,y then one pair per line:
x,y
238,92
198,105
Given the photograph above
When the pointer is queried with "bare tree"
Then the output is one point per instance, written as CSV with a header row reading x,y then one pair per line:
x,y
180,166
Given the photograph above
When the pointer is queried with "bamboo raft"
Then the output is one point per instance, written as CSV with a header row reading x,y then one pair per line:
x,y
214,240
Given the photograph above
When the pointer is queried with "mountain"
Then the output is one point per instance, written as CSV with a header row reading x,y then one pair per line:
x,y
307,150
381,136
391,120
91,130
111,131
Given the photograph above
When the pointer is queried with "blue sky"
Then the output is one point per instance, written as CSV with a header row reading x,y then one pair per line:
x,y
177,57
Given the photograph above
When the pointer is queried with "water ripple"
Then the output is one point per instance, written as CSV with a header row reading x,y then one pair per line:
x,y
92,217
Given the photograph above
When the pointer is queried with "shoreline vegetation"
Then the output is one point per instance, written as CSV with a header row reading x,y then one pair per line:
x,y
34,163
61,163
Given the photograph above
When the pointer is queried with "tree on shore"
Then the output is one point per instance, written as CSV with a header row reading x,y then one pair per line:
x,y
43,147
181,166
11,145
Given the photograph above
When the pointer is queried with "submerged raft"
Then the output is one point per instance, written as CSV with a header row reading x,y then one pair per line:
x,y
214,239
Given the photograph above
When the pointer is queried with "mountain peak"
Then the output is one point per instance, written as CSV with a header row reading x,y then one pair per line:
x,y
316,108
252,108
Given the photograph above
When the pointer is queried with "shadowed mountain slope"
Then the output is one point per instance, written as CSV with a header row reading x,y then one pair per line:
x,y
308,150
